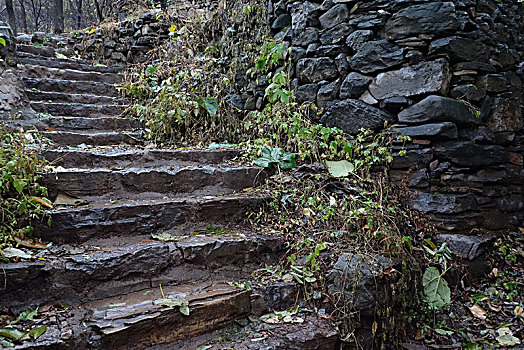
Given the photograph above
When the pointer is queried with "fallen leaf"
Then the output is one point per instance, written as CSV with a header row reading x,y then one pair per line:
x,y
44,201
519,311
31,243
15,253
506,337
494,272
293,319
494,307
273,320
37,332
374,328
477,311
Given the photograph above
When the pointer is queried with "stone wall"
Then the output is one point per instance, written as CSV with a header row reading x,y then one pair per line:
x,y
129,42
449,74
14,104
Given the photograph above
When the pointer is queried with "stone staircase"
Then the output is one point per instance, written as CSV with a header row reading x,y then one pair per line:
x,y
105,283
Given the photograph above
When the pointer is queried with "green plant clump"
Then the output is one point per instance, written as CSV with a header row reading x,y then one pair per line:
x,y
22,198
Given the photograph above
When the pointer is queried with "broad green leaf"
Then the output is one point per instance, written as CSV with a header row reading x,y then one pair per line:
x,y
340,168
209,104
37,331
16,253
222,145
166,237
506,337
7,344
2,42
436,289
182,304
12,333
28,315
184,309
205,347
443,331
150,70
276,156
19,185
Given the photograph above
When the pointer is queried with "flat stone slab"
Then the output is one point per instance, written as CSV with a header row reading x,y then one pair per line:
x,y
439,109
351,115
170,180
436,18
138,157
423,78
468,247
128,218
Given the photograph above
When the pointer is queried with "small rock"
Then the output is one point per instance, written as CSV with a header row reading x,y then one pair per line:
x,y
354,85
351,115
312,70
336,15
376,55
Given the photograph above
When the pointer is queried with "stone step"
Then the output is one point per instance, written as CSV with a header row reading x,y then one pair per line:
x,y
92,137
78,109
96,273
314,333
139,320
130,182
64,64
44,51
59,97
32,71
81,123
102,218
71,86
141,323
146,158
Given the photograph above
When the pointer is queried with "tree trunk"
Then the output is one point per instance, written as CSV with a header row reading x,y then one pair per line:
x,y
99,11
24,15
11,14
58,17
79,5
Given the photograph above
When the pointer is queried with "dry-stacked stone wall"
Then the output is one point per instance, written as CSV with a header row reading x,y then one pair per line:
x,y
130,42
448,73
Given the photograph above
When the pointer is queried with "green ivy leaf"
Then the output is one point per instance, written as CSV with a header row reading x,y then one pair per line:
x,y
11,333
436,289
19,185
2,42
209,104
276,156
37,332
340,169
151,70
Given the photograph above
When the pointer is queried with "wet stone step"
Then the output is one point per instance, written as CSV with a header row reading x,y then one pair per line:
x,y
314,333
71,86
34,71
107,272
81,123
171,181
91,137
65,64
145,321
44,51
128,218
78,109
146,158
59,97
